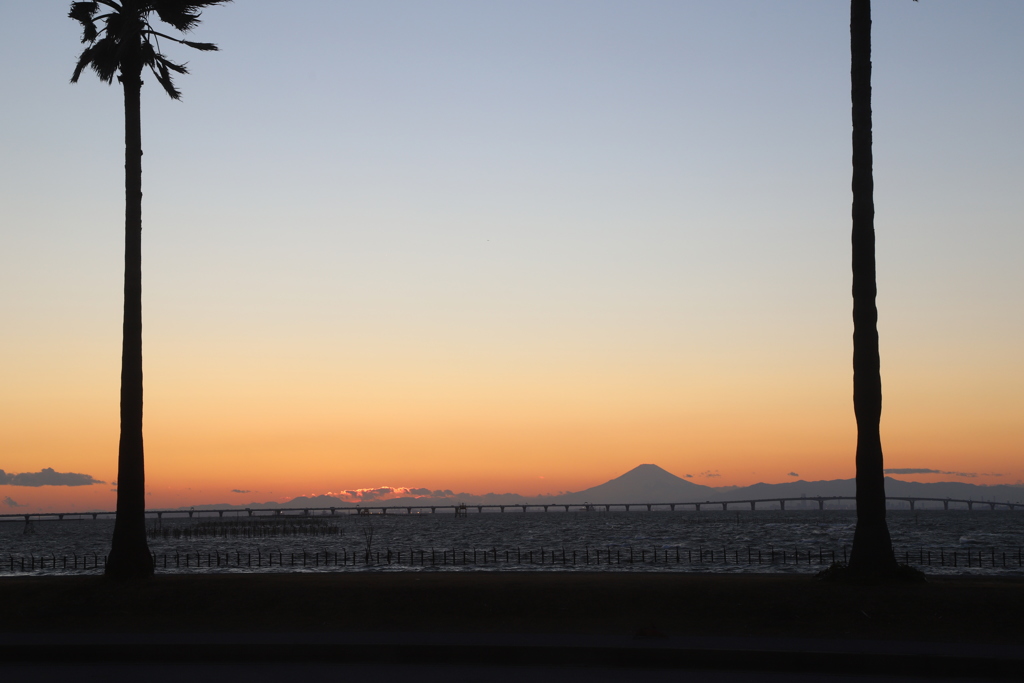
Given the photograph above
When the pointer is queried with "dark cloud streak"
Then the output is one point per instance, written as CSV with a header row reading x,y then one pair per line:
x,y
47,477
925,470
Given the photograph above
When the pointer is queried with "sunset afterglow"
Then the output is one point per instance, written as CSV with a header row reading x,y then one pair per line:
x,y
435,248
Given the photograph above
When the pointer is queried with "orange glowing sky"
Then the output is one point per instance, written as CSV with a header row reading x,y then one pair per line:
x,y
609,233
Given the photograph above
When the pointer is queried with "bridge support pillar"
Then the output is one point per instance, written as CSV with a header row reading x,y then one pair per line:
x,y
911,504
782,504
821,503
648,508
479,509
945,505
672,507
219,513
607,508
725,507
991,506
697,506
970,505
752,505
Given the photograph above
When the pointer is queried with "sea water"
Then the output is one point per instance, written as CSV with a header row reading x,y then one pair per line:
x,y
748,541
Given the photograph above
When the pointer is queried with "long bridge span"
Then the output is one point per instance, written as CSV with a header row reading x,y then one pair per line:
x,y
462,509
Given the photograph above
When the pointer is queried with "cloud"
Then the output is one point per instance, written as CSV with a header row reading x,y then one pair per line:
x,y
240,491
925,470
382,493
48,477
793,474
689,476
10,502
709,473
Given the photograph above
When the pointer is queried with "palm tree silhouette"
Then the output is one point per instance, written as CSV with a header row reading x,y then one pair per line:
x,y
872,551
121,41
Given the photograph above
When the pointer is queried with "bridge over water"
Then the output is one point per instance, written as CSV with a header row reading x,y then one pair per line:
x,y
462,509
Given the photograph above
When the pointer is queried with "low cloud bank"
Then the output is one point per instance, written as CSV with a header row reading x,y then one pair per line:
x,y
388,493
47,477
10,502
925,470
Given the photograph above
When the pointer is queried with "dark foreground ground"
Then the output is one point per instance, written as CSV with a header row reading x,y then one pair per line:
x,y
953,627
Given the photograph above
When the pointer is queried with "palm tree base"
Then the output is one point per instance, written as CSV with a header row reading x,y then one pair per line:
x,y
129,565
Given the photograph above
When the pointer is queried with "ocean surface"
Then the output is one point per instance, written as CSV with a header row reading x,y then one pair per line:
x,y
759,541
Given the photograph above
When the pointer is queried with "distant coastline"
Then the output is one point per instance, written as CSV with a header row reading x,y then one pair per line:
x,y
652,484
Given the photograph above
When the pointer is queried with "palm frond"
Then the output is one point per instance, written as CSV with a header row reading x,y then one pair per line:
x,y
102,57
183,14
124,37
205,47
84,60
176,68
106,59
164,77
161,68
83,12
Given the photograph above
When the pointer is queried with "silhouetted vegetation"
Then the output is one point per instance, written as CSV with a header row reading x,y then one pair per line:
x,y
122,42
872,546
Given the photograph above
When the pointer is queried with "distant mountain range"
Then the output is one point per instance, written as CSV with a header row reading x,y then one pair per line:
x,y
652,484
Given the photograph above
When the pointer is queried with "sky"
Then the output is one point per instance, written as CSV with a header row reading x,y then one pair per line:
x,y
512,246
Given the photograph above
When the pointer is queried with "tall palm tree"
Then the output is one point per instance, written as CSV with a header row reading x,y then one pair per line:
x,y
872,552
121,41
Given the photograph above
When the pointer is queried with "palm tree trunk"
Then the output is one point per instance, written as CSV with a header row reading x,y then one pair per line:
x,y
129,552
872,547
